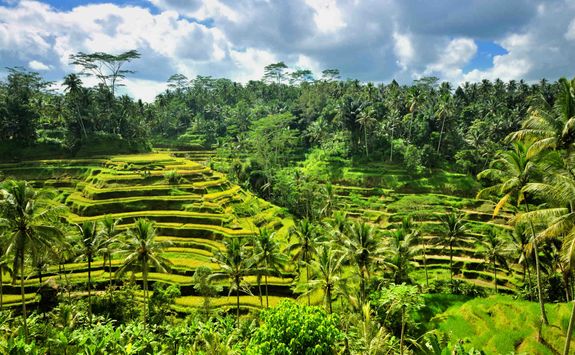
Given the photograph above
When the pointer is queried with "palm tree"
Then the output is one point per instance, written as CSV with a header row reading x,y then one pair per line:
x,y
568,257
107,241
522,244
552,127
141,250
454,228
366,120
267,254
327,267
235,264
73,85
27,218
401,250
444,111
88,247
363,249
511,172
304,248
496,252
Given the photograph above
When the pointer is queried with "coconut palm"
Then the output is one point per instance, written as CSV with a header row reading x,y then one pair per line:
x,y
141,250
88,247
366,120
401,251
327,272
523,247
552,127
28,221
235,264
108,240
496,251
267,255
511,172
304,248
453,234
363,249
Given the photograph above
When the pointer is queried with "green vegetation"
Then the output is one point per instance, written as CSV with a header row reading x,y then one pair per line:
x,y
396,208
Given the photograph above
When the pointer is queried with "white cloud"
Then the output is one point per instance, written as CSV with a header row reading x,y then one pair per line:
x,y
403,49
146,90
369,39
37,65
452,59
328,18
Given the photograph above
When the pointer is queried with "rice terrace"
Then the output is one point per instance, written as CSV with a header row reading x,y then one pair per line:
x,y
302,177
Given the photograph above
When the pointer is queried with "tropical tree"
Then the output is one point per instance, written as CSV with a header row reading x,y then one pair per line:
x,y
453,234
444,111
521,242
400,299
108,238
28,221
88,233
552,127
510,174
327,272
235,264
364,251
267,255
304,248
401,252
141,250
366,120
496,251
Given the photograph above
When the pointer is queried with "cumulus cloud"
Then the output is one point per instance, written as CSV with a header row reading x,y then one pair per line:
x,y
376,40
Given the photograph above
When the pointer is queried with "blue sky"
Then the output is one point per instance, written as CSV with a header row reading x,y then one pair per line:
x,y
371,40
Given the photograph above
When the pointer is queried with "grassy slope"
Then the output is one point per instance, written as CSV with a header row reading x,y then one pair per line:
x,y
502,325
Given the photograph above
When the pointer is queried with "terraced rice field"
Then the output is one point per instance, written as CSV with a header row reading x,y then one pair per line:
x,y
383,194
195,213
202,207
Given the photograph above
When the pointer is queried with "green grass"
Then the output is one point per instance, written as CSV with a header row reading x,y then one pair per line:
x,y
500,324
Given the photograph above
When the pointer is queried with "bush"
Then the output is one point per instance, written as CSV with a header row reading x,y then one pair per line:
x,y
291,328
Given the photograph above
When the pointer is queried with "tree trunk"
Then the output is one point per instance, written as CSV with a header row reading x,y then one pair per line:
x,y
237,303
1,291
401,339
328,296
307,280
362,287
145,281
569,331
529,282
110,270
495,276
440,134
90,288
266,281
259,280
391,146
537,270
365,137
451,265
23,295
425,266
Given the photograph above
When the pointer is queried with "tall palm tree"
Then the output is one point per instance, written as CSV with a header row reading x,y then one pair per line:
x,y
366,120
496,252
327,267
304,248
444,111
235,263
88,247
552,127
511,173
454,228
267,254
400,253
522,244
28,219
73,86
142,250
107,241
364,250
